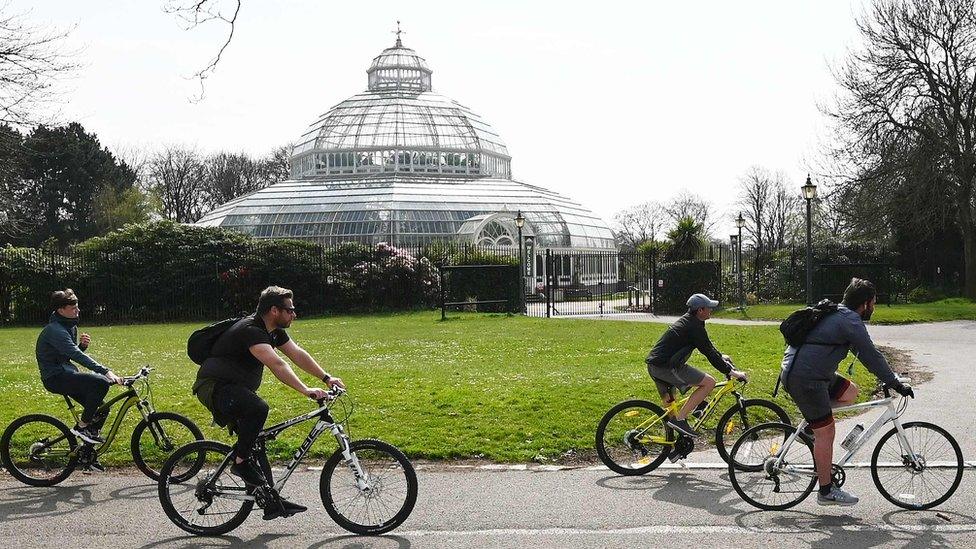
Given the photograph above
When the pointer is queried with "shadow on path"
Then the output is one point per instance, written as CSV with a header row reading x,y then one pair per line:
x,y
362,542
230,542
680,488
30,502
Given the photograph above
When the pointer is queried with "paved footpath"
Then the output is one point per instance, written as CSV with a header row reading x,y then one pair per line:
x,y
534,507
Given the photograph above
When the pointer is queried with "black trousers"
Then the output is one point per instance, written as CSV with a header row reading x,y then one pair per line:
x,y
246,409
86,389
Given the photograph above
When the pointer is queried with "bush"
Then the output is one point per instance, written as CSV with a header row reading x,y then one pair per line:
x,y
924,294
684,278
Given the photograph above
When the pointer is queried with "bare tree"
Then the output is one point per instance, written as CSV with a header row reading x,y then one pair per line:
x,y
783,209
689,205
913,81
276,166
228,176
32,60
638,224
194,13
755,195
176,178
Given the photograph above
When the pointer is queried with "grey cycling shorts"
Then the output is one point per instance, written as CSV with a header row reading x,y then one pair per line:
x,y
814,396
681,378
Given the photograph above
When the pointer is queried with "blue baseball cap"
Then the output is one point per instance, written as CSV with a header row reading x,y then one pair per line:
x,y
698,301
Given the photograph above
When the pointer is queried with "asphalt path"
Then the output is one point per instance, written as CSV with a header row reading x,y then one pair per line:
x,y
529,506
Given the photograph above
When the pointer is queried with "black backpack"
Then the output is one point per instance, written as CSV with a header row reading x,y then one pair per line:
x,y
201,342
799,324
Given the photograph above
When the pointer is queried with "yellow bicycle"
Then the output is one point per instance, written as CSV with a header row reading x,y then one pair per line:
x,y
633,437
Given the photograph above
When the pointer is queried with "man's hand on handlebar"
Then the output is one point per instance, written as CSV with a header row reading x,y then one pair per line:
x,y
903,390
316,393
738,374
110,375
335,381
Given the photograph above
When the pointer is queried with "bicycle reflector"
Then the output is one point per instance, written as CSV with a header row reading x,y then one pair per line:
x,y
729,427
632,413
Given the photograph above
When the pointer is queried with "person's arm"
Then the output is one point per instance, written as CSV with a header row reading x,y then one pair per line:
x,y
305,361
704,345
61,340
267,355
869,355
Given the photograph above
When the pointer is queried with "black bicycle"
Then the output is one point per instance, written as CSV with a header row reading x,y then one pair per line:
x,y
367,486
40,450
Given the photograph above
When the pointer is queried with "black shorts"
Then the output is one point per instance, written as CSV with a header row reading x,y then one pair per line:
x,y
813,397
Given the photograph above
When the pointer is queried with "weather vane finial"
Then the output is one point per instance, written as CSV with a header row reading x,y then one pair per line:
x,y
398,32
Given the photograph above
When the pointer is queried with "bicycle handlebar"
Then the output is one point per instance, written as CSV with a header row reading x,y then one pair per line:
x,y
330,395
142,373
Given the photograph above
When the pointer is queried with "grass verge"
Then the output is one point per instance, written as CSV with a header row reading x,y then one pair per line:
x,y
900,313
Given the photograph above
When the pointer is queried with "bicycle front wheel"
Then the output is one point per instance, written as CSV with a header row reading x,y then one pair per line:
x,y
38,450
768,474
738,419
199,496
376,503
632,438
155,440
919,472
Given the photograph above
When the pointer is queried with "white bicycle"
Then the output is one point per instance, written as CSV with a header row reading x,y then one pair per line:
x,y
915,465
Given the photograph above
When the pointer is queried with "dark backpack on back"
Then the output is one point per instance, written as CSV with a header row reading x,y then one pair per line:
x,y
201,342
798,326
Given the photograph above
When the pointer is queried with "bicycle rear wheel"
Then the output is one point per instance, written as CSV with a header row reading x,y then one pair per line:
x,y
632,438
759,480
374,505
198,499
738,419
38,450
925,481
155,440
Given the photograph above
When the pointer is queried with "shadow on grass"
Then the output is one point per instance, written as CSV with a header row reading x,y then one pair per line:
x,y
30,503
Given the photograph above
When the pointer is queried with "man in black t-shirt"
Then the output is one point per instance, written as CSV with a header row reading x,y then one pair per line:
x,y
227,381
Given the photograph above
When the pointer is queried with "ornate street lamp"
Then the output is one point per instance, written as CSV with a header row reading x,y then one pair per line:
x,y
733,238
809,193
740,222
520,222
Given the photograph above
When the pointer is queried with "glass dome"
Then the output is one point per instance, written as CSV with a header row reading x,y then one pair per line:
x,y
399,163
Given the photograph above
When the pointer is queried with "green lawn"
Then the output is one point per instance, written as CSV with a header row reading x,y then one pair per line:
x,y
901,313
488,386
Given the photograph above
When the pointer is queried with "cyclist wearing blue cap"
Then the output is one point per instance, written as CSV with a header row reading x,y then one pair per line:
x,y
667,361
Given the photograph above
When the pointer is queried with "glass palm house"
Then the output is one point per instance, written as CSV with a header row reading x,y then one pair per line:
x,y
401,164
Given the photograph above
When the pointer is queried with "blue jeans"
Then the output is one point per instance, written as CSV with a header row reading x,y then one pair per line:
x,y
89,390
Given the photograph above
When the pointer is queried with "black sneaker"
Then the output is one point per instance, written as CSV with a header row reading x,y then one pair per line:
x,y
96,466
247,473
283,508
87,434
683,427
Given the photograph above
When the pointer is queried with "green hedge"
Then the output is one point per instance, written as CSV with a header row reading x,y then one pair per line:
x,y
684,278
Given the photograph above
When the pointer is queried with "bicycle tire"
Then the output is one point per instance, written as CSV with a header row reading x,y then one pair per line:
x,y
738,474
953,445
136,443
723,430
605,453
167,481
24,474
361,449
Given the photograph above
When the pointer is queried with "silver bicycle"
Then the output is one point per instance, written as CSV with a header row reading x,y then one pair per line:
x,y
915,465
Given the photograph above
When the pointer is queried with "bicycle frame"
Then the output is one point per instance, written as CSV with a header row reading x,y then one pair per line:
x,y
325,421
130,397
890,414
723,388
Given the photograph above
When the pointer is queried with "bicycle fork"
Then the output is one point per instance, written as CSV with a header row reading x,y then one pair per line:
x,y
351,460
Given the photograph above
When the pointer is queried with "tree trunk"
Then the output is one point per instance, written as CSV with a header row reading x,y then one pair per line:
x,y
969,258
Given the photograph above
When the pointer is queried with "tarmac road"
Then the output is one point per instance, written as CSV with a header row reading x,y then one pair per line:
x,y
527,506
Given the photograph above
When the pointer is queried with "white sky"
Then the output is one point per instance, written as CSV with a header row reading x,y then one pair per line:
x,y
609,103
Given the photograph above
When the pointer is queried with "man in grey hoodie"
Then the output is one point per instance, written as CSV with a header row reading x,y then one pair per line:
x,y
809,375
57,347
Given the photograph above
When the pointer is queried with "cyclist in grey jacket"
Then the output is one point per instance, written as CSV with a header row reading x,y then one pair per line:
x,y
809,375
57,346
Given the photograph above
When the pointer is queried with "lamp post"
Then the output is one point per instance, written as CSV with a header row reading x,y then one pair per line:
x,y
733,238
520,222
740,222
809,193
